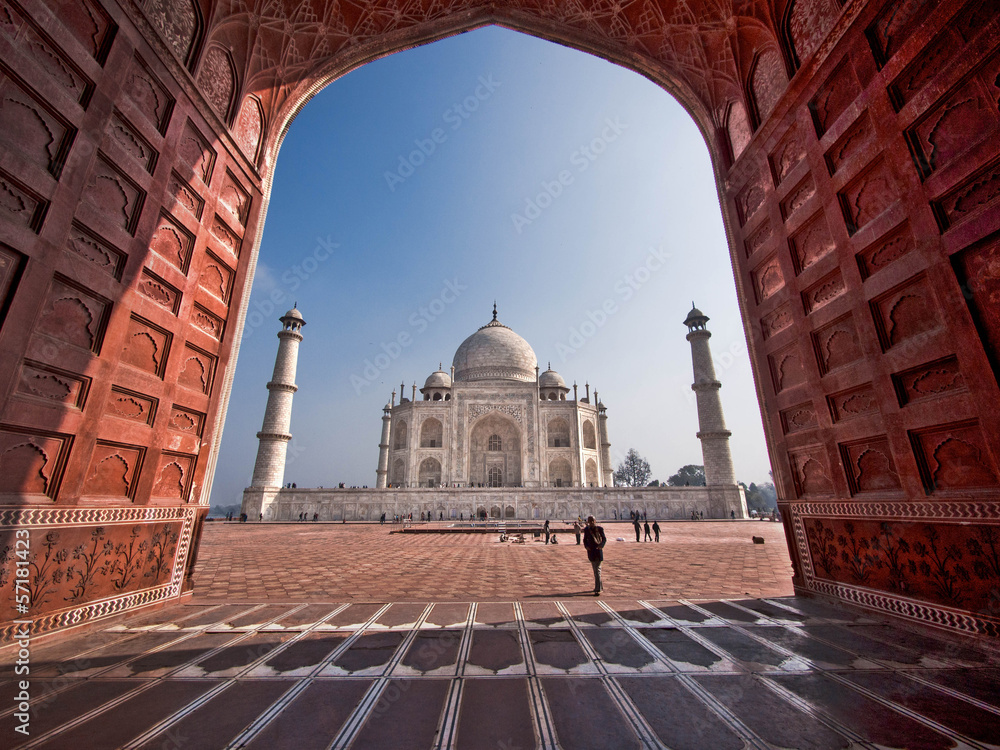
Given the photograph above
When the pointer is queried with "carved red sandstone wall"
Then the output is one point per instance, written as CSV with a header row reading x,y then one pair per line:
x,y
114,297
855,148
883,403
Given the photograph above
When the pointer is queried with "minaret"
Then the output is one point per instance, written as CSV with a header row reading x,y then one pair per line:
x,y
711,424
606,468
269,470
383,448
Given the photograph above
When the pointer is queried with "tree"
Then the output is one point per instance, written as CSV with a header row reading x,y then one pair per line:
x,y
688,476
770,495
761,498
634,471
221,511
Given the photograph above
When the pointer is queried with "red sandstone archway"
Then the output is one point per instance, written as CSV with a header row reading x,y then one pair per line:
x,y
855,149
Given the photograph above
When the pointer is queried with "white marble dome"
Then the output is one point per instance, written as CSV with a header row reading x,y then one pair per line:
x,y
495,352
294,314
551,379
439,379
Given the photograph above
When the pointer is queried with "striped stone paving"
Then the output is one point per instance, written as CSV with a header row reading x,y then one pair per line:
x,y
576,673
353,640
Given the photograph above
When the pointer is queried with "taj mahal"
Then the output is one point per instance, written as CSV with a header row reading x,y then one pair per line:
x,y
492,437
494,421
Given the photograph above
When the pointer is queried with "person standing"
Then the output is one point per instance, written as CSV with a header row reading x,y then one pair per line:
x,y
647,538
546,530
638,529
577,529
594,540
656,530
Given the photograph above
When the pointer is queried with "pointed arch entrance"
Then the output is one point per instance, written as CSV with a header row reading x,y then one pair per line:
x,y
494,453
862,221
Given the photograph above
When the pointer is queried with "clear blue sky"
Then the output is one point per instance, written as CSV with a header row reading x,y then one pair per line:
x,y
504,167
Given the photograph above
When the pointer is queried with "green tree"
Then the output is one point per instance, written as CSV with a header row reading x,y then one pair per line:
x,y
770,495
755,500
634,471
688,476
761,498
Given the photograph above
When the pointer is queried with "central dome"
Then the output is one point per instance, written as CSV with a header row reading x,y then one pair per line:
x,y
495,352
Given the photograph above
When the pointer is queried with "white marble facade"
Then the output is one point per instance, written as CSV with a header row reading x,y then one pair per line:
x,y
452,504
494,421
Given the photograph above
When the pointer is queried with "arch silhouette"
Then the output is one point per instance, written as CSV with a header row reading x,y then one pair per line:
x,y
738,147
699,52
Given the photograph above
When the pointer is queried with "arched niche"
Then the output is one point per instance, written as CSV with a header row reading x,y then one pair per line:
x,y
399,433
431,433
560,473
429,473
495,446
558,433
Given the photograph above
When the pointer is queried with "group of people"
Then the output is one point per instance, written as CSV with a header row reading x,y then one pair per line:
x,y
646,527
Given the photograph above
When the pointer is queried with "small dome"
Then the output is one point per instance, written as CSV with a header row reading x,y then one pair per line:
x,y
495,352
695,317
293,313
439,379
551,379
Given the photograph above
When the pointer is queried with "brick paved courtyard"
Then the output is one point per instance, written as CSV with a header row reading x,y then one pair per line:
x,y
334,562
305,636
